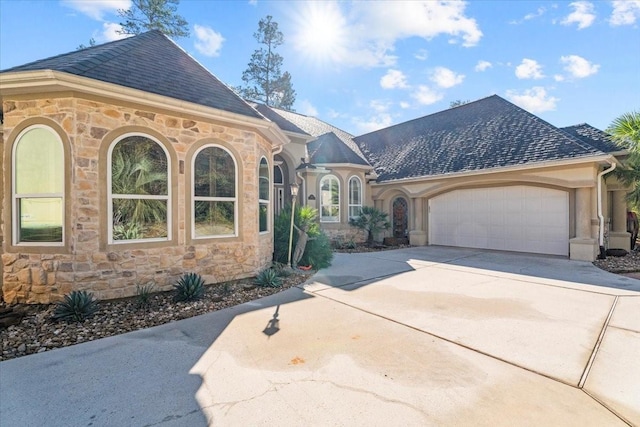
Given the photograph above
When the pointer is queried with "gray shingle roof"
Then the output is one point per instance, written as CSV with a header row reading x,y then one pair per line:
x,y
317,127
594,137
150,62
484,134
282,123
328,148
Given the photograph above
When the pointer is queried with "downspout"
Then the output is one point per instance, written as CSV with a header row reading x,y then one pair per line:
x,y
600,215
304,189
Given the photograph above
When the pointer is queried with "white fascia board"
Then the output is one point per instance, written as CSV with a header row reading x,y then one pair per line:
x,y
344,165
592,159
54,81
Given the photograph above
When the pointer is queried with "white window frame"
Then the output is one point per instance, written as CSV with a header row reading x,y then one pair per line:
x,y
213,199
17,197
110,197
264,201
329,218
352,203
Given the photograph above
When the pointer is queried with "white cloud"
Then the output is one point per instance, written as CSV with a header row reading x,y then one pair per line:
x,y
625,12
404,105
110,32
558,77
446,78
96,9
421,55
582,15
209,42
427,96
307,108
529,69
534,100
483,65
529,16
363,34
371,124
394,79
578,67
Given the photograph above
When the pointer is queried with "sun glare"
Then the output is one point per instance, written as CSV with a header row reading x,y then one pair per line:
x,y
321,36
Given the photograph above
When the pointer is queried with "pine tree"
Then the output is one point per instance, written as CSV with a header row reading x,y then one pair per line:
x,y
145,15
264,80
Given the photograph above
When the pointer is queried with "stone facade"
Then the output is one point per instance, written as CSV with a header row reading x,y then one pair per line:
x,y
87,261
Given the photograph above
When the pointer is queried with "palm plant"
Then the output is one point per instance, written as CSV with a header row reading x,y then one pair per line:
x,y
625,131
372,221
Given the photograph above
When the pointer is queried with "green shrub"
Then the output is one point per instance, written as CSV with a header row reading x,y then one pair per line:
x,y
318,250
282,270
372,221
78,306
190,287
268,278
143,294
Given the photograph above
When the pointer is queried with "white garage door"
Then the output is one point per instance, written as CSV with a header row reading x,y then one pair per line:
x,y
516,218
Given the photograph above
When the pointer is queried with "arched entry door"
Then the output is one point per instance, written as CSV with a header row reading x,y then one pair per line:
x,y
400,217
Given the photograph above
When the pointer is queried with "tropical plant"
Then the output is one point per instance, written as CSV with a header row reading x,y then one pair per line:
x,y
145,15
625,131
76,306
268,278
305,216
264,80
372,221
318,253
190,287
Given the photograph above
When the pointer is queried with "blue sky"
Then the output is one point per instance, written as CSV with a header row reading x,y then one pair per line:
x,y
366,65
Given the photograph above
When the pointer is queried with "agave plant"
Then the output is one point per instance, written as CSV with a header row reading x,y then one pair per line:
x,y
268,278
77,306
143,294
190,287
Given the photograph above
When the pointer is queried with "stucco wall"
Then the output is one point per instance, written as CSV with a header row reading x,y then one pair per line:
x,y
37,274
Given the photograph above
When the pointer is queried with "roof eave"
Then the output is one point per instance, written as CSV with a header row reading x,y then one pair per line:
x,y
552,163
30,82
344,165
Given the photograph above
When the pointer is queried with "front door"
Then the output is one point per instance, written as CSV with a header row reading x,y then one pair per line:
x,y
400,218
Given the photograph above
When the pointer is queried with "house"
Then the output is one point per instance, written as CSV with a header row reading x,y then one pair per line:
x,y
118,171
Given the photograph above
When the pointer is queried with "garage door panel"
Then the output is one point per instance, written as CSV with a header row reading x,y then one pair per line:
x,y
514,218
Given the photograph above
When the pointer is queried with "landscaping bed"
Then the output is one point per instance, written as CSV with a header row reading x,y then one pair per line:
x,y
38,332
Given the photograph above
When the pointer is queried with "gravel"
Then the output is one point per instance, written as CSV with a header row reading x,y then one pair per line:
x,y
38,332
625,264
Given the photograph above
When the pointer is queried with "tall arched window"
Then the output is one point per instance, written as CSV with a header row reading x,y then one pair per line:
x,y
355,197
139,183
214,193
329,199
38,188
263,189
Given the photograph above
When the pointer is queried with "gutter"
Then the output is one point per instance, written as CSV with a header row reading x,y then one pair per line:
x,y
600,215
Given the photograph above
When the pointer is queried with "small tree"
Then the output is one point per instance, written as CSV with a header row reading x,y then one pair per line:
x,y
145,15
372,221
264,81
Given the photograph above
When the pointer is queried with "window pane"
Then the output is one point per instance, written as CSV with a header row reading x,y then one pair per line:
x,y
263,216
264,179
277,175
354,211
138,166
354,193
330,213
39,163
214,173
40,220
214,218
139,219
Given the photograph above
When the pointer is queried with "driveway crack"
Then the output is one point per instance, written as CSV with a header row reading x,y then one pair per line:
x,y
587,368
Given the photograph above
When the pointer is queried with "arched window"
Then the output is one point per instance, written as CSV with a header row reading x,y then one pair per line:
x,y
38,188
355,197
214,179
139,183
329,199
263,189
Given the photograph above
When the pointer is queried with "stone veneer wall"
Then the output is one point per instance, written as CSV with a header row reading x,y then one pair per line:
x,y
39,275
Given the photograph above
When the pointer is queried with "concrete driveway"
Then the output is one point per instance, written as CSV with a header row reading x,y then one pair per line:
x,y
414,337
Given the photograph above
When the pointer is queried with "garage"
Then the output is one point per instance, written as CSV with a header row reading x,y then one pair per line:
x,y
512,218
